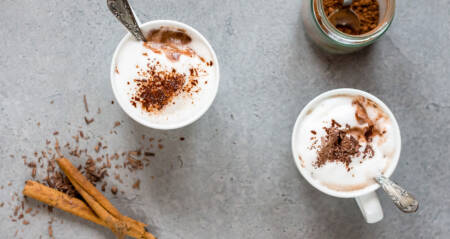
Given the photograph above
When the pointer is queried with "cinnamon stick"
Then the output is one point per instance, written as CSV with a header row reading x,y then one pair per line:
x,y
60,200
98,202
75,176
76,207
116,226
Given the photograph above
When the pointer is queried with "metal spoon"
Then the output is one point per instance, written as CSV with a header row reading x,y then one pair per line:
x,y
345,16
121,9
347,3
402,199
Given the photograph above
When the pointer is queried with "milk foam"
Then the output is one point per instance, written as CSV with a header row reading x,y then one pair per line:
x,y
184,106
335,175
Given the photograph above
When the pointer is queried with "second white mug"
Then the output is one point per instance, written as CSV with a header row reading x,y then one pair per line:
x,y
366,197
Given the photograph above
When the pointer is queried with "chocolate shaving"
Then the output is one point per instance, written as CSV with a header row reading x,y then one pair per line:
x,y
85,104
137,184
337,146
157,88
114,190
88,121
149,154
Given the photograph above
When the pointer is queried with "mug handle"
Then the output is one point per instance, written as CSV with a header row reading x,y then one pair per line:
x,y
370,207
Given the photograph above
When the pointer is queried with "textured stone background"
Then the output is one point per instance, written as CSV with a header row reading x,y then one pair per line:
x,y
238,178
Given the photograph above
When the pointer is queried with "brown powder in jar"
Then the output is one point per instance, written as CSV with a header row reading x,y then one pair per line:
x,y
368,12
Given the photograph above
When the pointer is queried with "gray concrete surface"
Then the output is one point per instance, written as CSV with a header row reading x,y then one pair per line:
x,y
238,179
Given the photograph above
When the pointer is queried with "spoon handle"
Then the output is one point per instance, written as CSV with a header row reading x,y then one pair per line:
x,y
347,3
121,9
402,199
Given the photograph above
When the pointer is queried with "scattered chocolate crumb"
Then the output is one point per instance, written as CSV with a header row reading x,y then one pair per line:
x,y
88,121
112,102
133,164
1,204
160,146
93,174
16,210
137,184
116,124
97,147
313,132
55,133
25,222
149,154
104,186
50,231
28,210
51,102
114,190
85,104
38,124
182,138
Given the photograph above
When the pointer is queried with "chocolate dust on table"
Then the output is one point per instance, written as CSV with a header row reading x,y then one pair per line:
x,y
95,160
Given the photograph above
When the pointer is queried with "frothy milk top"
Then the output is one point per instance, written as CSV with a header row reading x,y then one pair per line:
x,y
134,57
342,110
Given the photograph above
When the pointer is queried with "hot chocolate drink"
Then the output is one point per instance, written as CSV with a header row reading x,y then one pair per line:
x,y
167,81
343,141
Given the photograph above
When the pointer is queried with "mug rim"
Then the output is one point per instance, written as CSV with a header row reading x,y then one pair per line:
x,y
315,183
175,125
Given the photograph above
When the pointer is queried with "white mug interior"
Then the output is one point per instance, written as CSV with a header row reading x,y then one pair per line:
x,y
316,183
146,27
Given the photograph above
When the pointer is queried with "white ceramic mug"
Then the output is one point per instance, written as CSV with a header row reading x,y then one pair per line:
x,y
124,100
366,198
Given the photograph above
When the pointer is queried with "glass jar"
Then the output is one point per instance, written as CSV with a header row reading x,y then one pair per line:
x,y
324,34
